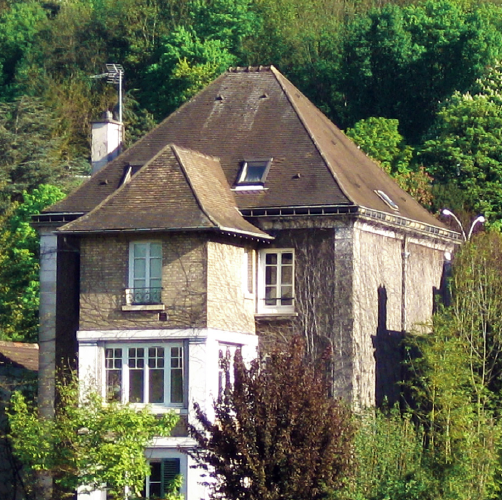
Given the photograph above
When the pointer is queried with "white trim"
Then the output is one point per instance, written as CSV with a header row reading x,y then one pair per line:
x,y
262,308
192,334
126,371
145,307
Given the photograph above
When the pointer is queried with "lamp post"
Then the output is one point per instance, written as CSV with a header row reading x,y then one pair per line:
x,y
478,220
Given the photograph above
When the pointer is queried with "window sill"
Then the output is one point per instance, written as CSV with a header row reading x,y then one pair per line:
x,y
275,315
161,409
144,307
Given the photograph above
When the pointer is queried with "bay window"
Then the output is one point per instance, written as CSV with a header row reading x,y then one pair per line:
x,y
145,373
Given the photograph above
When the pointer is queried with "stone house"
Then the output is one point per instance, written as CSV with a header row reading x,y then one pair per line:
x,y
245,215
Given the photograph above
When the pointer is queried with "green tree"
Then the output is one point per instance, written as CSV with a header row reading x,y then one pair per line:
x,y
210,41
276,433
455,380
380,139
463,151
87,445
31,151
400,62
19,25
19,266
390,457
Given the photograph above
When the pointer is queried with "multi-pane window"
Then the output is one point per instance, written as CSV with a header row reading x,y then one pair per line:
x,y
145,272
276,280
152,374
162,475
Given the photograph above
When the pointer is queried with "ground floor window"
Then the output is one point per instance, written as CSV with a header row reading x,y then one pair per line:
x,y
145,373
163,474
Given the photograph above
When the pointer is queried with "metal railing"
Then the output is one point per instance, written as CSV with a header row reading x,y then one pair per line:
x,y
140,296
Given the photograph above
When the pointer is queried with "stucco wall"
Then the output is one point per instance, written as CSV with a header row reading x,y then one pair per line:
x,y
229,306
395,274
377,308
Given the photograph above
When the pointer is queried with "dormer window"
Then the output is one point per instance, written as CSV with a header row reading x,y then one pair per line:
x,y
253,174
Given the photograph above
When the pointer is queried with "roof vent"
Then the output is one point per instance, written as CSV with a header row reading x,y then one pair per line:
x,y
219,97
386,198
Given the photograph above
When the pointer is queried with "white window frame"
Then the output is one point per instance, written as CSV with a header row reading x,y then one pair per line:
x,y
245,184
125,372
130,294
277,308
223,349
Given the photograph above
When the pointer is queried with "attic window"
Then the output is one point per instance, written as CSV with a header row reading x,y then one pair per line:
x,y
253,173
129,170
385,197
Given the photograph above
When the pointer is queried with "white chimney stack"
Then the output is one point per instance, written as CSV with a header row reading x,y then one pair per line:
x,y
106,141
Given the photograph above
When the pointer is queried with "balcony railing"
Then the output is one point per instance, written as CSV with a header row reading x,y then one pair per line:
x,y
143,296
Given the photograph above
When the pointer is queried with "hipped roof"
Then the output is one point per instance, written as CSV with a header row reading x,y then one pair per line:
x,y
178,189
246,113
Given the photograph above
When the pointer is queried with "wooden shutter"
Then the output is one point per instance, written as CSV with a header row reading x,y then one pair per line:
x,y
170,469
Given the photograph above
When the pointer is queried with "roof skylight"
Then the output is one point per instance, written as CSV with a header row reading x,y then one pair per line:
x,y
253,173
386,198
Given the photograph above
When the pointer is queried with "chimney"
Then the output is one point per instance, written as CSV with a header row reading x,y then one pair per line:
x,y
106,141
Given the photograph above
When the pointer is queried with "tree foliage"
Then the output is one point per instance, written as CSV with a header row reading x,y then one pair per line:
x,y
464,150
402,59
456,377
87,445
276,432
390,457
19,266
380,139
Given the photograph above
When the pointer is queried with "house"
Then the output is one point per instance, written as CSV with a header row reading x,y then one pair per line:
x,y
244,217
18,372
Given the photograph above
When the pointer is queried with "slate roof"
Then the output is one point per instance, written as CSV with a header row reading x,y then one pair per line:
x,y
246,113
178,189
19,354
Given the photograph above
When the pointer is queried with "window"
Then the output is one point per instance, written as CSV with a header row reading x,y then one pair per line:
x,y
162,475
248,272
145,273
276,280
226,357
253,173
148,374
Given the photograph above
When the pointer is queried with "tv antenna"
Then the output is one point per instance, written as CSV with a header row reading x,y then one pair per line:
x,y
114,75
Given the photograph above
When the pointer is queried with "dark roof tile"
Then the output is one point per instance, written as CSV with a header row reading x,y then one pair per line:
x,y
254,113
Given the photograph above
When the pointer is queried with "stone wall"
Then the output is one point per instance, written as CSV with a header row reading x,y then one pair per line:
x,y
104,278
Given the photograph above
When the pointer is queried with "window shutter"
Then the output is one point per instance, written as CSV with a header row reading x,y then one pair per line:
x,y
170,469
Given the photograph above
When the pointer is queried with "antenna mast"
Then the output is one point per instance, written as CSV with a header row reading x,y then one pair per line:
x,y
115,75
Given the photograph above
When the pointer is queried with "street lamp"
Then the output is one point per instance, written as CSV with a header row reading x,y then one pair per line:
x,y
478,220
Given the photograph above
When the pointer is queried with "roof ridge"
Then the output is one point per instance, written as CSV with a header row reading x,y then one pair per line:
x,y
203,209
119,189
195,151
278,75
250,69
10,343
